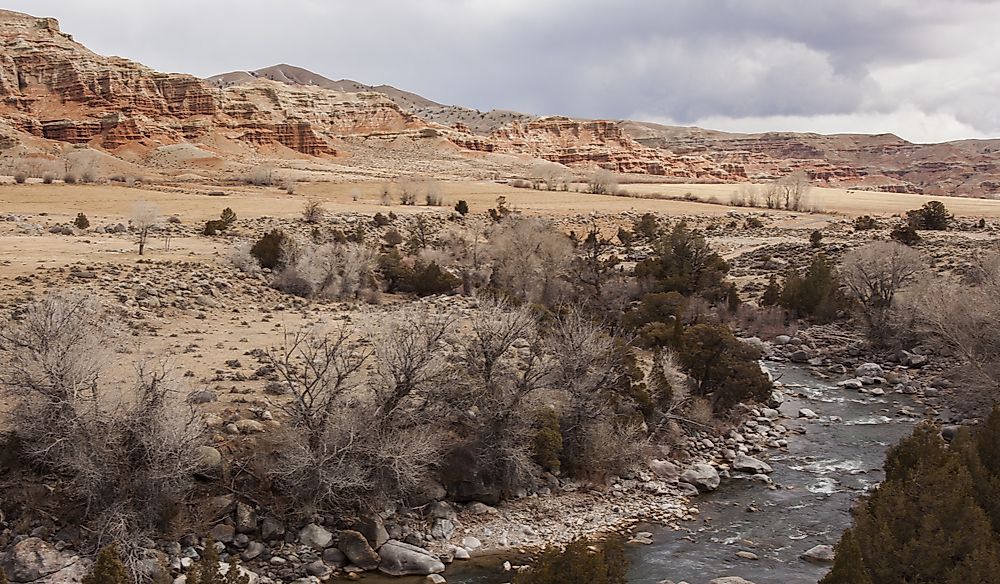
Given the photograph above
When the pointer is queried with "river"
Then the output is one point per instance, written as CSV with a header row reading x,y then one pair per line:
x,y
820,476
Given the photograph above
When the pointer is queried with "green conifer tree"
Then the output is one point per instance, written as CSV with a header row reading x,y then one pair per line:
x,y
849,567
107,568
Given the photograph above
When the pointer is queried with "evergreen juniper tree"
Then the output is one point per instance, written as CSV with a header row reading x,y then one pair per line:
x,y
107,568
849,567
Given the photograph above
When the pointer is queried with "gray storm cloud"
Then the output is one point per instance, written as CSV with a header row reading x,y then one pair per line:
x,y
927,70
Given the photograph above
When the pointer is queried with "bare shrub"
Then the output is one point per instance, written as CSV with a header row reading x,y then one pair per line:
x,y
501,384
262,176
312,211
547,175
332,271
363,460
289,185
529,257
145,217
69,178
409,189
385,194
601,182
48,178
20,177
124,452
239,257
873,275
597,442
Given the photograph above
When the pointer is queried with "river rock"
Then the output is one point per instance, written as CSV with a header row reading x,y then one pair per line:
x,y
33,559
223,533
208,460
775,399
435,579
782,340
704,477
730,580
751,465
821,554
665,470
800,356
356,548
316,537
869,370
401,559
808,414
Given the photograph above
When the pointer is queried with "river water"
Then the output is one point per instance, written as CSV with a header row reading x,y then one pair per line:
x,y
819,477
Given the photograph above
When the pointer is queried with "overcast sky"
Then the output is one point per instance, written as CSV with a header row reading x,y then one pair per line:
x,y
927,70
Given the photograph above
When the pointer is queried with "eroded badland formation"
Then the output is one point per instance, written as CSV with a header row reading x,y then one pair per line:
x,y
362,374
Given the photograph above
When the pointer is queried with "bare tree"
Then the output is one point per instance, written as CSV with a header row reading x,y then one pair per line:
x,y
409,189
334,271
410,363
318,369
874,274
602,182
145,217
589,371
547,175
530,260
789,192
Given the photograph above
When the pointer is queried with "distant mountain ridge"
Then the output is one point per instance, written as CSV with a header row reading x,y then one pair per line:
x,y
56,94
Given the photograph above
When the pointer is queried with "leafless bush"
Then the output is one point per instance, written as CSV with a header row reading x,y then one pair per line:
x,y
385,194
239,257
547,175
601,182
502,360
964,317
312,211
586,368
48,178
124,452
874,274
289,185
332,271
409,189
529,258
376,454
20,177
262,176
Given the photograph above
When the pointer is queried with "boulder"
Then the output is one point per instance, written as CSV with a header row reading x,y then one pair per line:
x,y
665,470
807,413
435,579
373,528
400,559
782,340
208,460
800,356
32,559
775,399
249,427
869,370
223,533
246,518
271,528
356,548
821,554
316,537
751,465
704,477
440,510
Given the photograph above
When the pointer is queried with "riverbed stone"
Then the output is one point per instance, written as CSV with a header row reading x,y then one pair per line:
x,y
821,554
808,414
751,465
401,559
703,476
356,548
316,537
665,470
869,370
730,580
